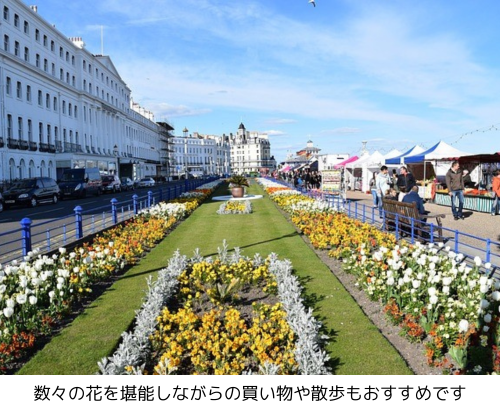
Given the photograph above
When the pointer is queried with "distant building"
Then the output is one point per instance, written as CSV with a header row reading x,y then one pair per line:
x,y
303,157
197,154
250,152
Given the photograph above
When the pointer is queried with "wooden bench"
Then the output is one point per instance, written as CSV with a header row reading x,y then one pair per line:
x,y
405,212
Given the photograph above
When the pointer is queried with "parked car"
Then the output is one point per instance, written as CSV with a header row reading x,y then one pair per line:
x,y
80,181
1,202
146,182
30,192
111,183
127,183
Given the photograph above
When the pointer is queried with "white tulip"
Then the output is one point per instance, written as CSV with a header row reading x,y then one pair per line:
x,y
495,295
10,303
484,304
487,318
33,300
477,261
486,329
433,299
463,325
8,312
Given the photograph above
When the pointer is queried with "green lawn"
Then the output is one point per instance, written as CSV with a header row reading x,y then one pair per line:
x,y
356,345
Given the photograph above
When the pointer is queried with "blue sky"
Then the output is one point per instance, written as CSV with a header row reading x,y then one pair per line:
x,y
391,73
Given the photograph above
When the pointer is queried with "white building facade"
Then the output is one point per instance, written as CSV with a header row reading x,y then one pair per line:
x,y
250,152
64,107
196,154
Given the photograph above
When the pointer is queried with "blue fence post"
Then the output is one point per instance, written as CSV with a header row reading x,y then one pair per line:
x,y
78,222
160,195
114,212
150,198
488,250
26,235
186,185
136,206
168,194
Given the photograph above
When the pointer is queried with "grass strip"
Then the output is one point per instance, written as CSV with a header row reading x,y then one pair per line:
x,y
356,345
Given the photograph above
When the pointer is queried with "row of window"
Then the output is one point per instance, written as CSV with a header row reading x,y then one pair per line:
x,y
72,111
38,37
41,132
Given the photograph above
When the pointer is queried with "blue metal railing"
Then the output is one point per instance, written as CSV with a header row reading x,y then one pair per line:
x,y
60,232
459,242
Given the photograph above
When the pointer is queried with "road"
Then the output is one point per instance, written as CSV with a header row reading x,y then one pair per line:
x,y
54,225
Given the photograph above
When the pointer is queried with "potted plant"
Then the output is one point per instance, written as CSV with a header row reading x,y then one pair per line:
x,y
237,183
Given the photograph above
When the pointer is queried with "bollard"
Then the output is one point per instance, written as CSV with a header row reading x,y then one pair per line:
x,y
136,206
26,235
78,222
150,198
114,212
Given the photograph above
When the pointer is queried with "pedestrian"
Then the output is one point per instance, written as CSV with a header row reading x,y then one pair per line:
x,y
495,190
406,180
382,184
373,189
394,180
455,185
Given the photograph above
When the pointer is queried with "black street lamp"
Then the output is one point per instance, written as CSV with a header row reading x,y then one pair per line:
x,y
115,151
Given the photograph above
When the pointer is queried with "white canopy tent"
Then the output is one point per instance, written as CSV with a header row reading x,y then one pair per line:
x,y
362,165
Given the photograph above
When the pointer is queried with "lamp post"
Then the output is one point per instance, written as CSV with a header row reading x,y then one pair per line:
x,y
115,151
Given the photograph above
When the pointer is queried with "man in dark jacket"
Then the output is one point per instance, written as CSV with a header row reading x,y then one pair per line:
x,y
406,180
455,185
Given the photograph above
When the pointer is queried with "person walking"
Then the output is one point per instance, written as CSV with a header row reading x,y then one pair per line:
x,y
373,189
455,185
382,183
495,189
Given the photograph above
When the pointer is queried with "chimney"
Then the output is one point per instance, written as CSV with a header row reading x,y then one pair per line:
x,y
78,41
34,8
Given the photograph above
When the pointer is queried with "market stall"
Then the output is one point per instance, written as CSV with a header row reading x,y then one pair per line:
x,y
476,199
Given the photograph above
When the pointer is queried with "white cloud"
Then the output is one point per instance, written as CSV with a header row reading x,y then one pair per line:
x,y
280,121
275,133
164,110
341,130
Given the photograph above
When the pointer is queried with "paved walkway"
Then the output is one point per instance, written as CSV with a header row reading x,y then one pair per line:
x,y
476,224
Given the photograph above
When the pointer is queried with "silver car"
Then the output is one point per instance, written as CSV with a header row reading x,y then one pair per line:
x,y
146,182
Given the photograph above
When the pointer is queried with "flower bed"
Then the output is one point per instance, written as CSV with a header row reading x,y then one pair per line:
x,y
39,291
428,291
235,207
207,330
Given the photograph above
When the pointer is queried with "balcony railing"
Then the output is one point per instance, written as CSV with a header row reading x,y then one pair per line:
x,y
12,143
44,147
33,146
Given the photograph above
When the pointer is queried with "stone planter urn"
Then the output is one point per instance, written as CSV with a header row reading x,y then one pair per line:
x,y
238,192
237,184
